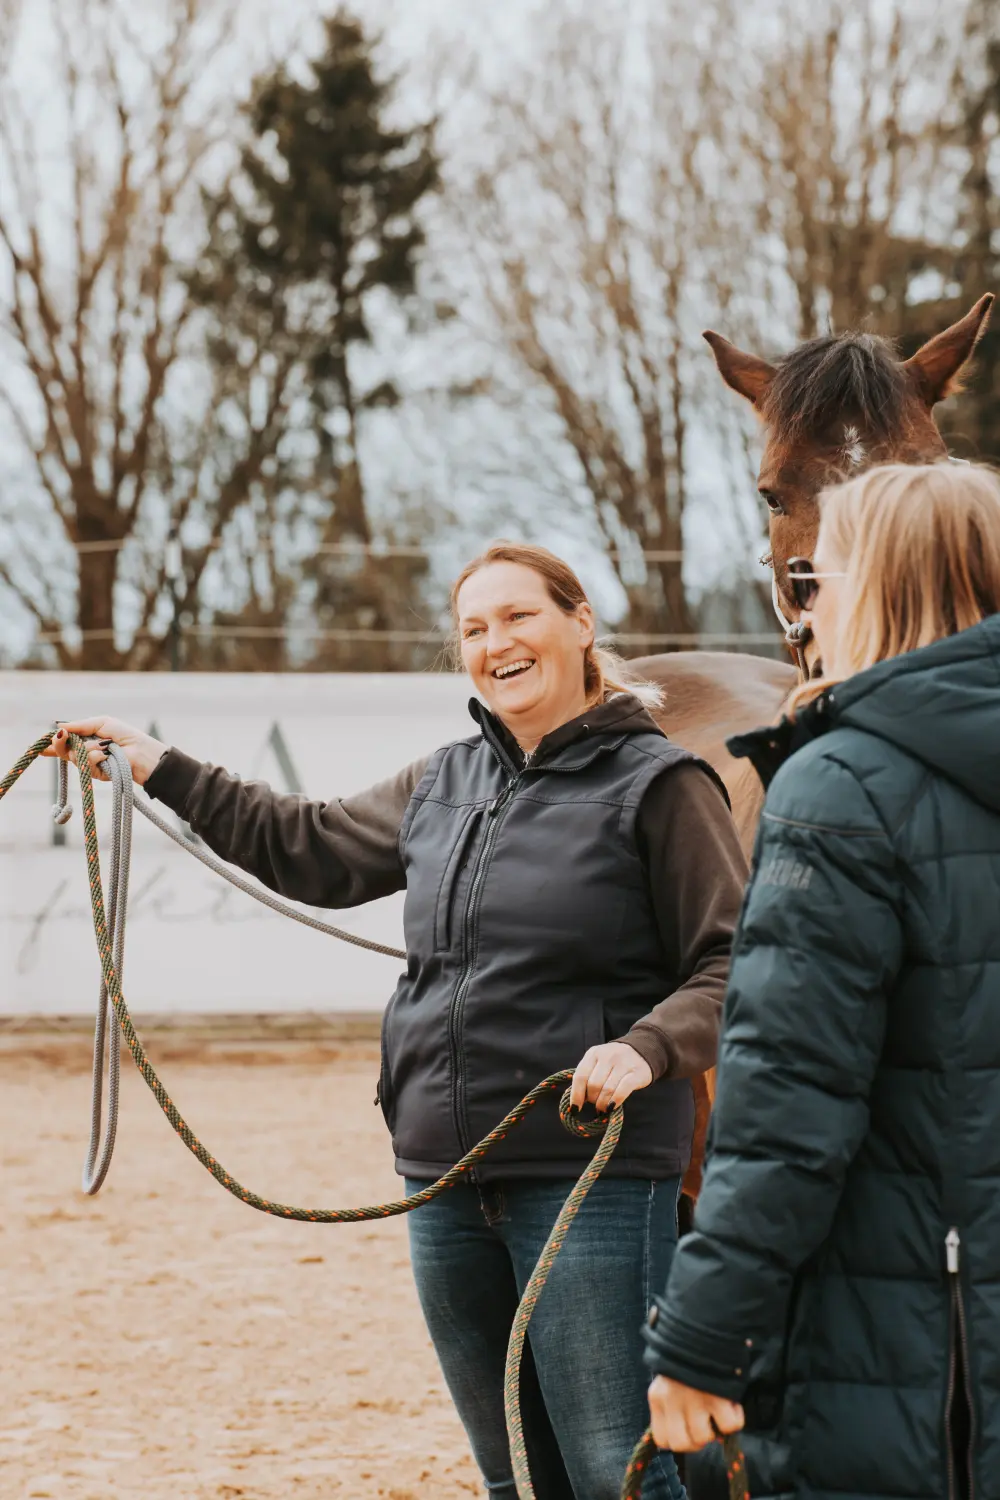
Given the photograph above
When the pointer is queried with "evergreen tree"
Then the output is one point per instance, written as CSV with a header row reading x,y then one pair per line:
x,y
324,214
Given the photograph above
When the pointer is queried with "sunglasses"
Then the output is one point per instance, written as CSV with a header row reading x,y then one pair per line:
x,y
805,582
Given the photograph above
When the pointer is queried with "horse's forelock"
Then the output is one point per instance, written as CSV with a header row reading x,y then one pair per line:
x,y
849,378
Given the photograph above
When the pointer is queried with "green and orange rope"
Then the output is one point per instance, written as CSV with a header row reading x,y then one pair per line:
x,y
608,1127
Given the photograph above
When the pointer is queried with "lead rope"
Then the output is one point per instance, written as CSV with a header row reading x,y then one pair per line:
x,y
99,1153
110,945
62,812
646,1450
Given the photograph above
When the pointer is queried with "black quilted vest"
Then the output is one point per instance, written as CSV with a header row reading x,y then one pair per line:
x,y
530,937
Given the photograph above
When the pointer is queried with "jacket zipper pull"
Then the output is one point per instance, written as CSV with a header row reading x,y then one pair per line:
x,y
951,1247
501,797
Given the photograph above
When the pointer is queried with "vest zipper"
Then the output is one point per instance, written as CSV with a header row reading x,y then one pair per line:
x,y
495,813
958,1362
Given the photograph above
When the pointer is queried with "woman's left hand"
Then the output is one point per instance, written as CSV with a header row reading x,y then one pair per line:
x,y
684,1419
607,1074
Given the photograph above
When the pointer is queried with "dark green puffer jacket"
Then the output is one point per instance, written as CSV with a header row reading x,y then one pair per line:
x,y
843,1276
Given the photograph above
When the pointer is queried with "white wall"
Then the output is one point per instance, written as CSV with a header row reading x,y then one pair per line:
x,y
194,943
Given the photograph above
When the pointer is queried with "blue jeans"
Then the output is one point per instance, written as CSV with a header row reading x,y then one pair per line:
x,y
583,1384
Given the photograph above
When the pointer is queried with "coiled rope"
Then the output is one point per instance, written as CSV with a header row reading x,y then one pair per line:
x,y
109,930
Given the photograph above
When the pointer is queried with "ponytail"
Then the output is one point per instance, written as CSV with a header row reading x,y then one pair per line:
x,y
606,673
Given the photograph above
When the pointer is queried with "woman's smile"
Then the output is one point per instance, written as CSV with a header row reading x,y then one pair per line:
x,y
513,669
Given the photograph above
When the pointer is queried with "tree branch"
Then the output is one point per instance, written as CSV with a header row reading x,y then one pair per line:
x,y
38,455
48,623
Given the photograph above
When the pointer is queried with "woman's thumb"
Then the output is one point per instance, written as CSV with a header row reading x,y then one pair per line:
x,y
80,726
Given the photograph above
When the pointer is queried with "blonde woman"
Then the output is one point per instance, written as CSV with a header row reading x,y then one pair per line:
x,y
841,1292
572,884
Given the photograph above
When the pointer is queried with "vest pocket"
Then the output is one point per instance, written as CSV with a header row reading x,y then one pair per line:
x,y
443,907
595,1026
383,1092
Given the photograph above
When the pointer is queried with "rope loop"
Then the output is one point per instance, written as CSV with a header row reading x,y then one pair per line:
x,y
573,1121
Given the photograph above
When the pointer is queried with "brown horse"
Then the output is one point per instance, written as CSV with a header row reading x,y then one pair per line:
x,y
831,408
710,695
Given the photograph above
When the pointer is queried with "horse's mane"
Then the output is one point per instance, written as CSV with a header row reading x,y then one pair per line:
x,y
849,377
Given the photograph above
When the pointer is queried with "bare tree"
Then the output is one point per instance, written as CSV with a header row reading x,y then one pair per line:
x,y
585,240
10,15
125,434
652,169
867,139
837,134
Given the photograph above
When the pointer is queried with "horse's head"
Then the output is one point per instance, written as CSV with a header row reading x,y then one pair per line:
x,y
834,407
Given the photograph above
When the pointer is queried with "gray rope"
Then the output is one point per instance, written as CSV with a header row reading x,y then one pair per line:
x,y
106,1039
62,812
265,897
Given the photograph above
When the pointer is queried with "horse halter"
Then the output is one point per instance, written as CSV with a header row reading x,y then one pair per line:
x,y
797,634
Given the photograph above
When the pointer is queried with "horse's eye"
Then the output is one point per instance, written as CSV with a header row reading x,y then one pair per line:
x,y
774,505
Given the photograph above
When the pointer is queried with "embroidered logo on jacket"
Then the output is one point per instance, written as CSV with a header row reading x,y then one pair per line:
x,y
792,873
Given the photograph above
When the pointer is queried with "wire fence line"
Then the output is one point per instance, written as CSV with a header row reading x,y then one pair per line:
x,y
378,549
430,637
412,637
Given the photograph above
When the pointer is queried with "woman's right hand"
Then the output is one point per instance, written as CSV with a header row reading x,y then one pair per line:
x,y
142,750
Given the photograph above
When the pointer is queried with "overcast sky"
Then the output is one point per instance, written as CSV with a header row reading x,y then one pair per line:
x,y
419,34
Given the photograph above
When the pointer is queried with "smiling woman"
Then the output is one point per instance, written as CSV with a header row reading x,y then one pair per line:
x,y
572,884
525,627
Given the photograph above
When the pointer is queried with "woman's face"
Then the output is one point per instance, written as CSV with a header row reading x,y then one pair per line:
x,y
523,653
826,616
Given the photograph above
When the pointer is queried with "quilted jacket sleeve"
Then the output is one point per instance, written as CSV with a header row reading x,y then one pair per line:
x,y
817,952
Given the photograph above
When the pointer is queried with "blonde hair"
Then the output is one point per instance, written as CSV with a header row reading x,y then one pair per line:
x,y
604,671
921,548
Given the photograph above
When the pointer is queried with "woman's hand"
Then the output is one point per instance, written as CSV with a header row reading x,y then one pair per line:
x,y
142,750
607,1074
684,1419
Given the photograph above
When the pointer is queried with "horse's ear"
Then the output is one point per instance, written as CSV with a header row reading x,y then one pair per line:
x,y
744,373
936,368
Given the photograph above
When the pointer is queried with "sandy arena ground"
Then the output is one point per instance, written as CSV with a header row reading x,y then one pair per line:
x,y
163,1340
